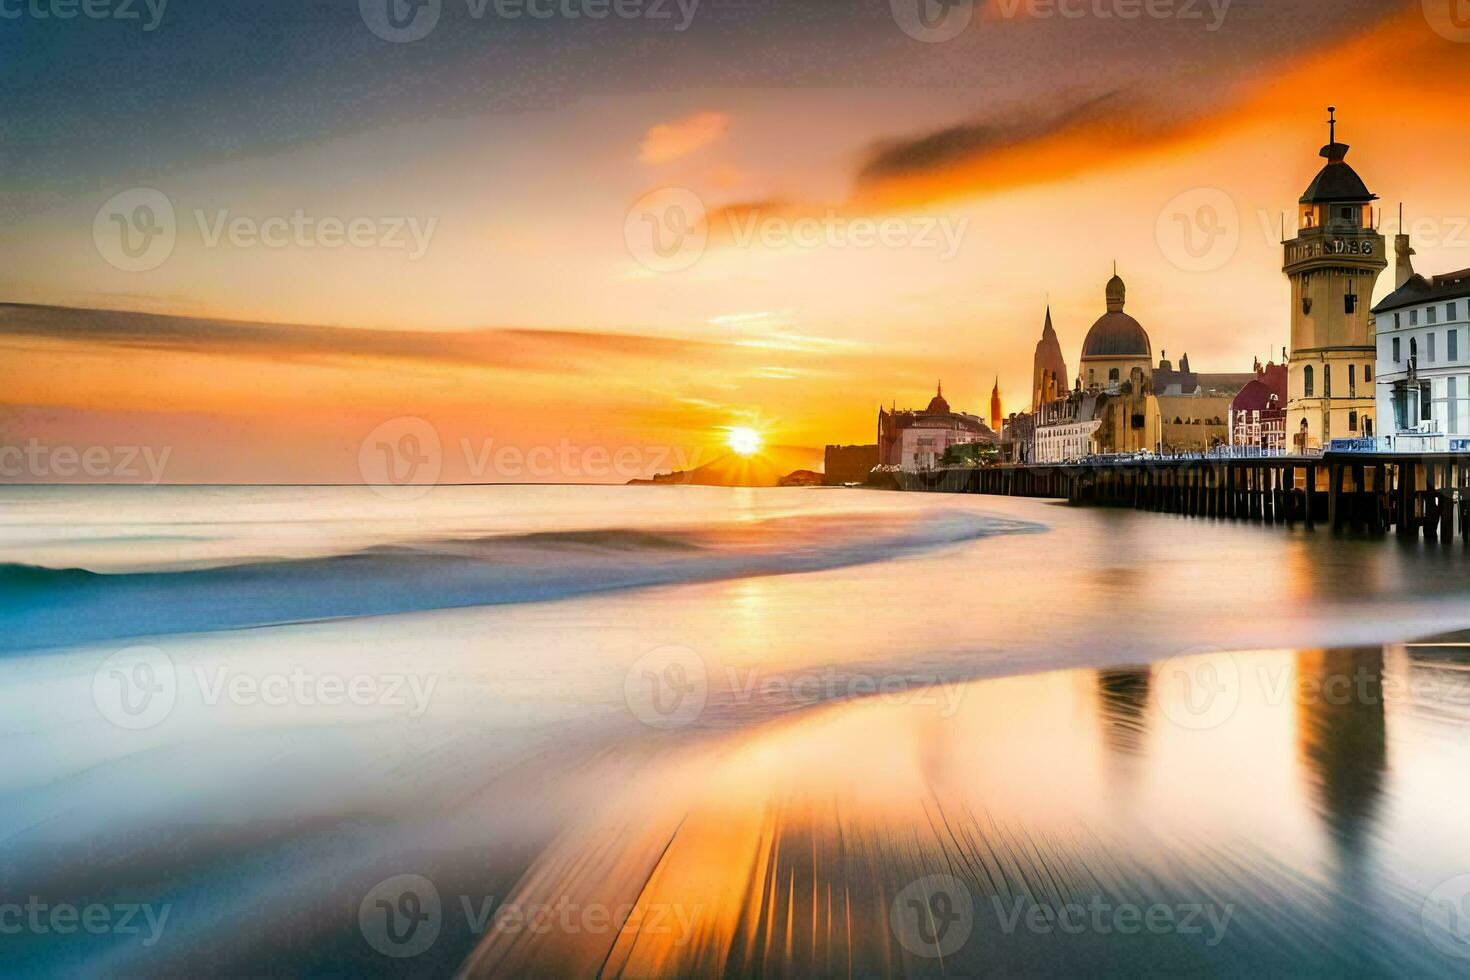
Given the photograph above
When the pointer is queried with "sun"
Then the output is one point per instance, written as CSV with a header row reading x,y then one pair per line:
x,y
743,441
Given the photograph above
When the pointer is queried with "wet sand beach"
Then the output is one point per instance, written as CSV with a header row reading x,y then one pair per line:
x,y
835,733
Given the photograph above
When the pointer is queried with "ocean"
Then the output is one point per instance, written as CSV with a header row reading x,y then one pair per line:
x,y
667,730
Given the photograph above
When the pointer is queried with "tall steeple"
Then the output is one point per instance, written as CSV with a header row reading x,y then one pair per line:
x,y
995,415
1049,380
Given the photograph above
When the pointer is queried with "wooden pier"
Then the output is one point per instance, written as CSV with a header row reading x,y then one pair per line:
x,y
1370,493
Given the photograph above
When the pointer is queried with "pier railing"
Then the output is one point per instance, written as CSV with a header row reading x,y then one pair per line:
x,y
1378,493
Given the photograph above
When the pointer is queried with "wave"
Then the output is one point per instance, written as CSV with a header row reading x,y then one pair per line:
x,y
47,607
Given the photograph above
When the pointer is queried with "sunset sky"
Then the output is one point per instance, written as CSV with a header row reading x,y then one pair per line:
x,y
499,173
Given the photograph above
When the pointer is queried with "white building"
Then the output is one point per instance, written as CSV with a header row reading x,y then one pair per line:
x,y
913,441
1064,429
1423,330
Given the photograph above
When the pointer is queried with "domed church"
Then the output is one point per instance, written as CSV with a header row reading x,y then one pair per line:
x,y
1115,345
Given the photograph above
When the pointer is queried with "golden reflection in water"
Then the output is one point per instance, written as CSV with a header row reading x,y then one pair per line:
x,y
783,850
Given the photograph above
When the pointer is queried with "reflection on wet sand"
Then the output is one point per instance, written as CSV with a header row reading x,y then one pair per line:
x,y
1123,697
874,838
1343,739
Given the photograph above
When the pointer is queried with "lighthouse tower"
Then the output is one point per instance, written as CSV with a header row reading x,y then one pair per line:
x,y
1333,264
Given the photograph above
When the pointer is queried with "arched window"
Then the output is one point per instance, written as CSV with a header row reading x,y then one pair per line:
x,y
1308,381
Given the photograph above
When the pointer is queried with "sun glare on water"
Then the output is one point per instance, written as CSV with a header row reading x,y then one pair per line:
x,y
743,441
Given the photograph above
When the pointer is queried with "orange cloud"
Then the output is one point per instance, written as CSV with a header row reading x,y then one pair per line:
x,y
672,140
988,155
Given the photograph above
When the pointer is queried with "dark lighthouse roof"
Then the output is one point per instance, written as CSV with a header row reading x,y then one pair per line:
x,y
1337,183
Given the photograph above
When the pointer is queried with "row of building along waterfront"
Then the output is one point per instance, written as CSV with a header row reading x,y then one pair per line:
x,y
1356,377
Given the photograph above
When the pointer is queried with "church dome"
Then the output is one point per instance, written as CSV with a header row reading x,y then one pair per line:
x,y
937,404
1116,334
